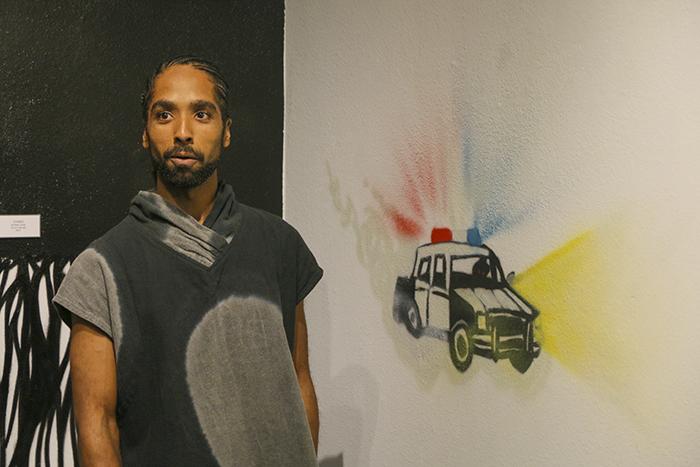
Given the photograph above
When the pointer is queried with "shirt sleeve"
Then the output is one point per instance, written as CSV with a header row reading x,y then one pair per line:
x,y
83,292
308,272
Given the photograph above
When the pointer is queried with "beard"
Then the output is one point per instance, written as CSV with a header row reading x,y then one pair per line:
x,y
180,176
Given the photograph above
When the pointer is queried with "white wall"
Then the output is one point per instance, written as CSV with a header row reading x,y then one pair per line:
x,y
544,122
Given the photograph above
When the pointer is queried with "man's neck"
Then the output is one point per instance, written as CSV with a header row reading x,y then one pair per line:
x,y
197,201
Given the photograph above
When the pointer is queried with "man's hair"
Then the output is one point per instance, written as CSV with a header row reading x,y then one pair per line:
x,y
221,88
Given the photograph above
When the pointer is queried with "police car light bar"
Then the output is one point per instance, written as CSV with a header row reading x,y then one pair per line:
x,y
440,234
445,234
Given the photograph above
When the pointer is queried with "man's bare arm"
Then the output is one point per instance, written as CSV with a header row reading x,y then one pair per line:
x,y
301,365
94,380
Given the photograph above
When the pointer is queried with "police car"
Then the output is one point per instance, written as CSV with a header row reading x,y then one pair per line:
x,y
457,292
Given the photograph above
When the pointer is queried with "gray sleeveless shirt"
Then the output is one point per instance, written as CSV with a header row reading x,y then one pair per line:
x,y
202,321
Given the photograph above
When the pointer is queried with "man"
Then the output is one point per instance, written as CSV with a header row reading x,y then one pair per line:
x,y
188,339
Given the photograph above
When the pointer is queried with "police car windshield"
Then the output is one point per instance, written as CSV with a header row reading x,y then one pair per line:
x,y
470,271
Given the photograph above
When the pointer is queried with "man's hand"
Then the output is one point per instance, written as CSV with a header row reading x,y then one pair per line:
x,y
301,365
94,380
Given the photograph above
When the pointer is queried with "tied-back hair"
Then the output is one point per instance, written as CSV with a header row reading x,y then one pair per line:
x,y
221,88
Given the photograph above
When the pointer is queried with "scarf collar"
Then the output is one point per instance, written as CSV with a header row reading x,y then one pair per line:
x,y
181,232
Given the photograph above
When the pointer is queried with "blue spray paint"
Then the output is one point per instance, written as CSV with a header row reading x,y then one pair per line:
x,y
494,192
474,237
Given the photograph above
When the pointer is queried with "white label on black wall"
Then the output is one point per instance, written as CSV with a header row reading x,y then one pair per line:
x,y
20,225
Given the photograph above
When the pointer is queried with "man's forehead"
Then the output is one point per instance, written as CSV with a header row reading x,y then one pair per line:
x,y
183,83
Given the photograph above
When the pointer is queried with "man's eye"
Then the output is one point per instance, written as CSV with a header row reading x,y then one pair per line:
x,y
162,116
202,114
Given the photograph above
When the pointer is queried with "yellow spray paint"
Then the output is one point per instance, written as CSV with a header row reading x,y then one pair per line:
x,y
570,288
598,316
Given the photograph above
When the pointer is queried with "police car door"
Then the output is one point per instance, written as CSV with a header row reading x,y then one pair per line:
x,y
422,286
438,296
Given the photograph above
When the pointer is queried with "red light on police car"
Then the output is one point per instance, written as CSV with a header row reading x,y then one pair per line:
x,y
441,234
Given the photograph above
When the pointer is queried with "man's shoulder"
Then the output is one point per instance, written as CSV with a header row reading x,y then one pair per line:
x,y
259,218
113,240
270,229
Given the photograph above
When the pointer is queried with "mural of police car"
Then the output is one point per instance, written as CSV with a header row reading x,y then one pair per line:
x,y
457,292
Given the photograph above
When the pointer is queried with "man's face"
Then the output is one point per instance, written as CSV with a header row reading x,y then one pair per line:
x,y
184,132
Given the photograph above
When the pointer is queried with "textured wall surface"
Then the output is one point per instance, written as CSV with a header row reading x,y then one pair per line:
x,y
71,76
567,132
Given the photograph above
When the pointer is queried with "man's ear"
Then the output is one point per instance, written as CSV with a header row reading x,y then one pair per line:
x,y
145,142
227,132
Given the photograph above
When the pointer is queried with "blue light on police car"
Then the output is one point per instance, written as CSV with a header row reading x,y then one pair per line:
x,y
474,237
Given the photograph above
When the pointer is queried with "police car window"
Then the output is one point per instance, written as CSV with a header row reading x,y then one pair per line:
x,y
424,269
439,276
439,264
472,265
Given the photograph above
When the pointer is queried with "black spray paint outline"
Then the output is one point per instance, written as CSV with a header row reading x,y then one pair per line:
x,y
476,326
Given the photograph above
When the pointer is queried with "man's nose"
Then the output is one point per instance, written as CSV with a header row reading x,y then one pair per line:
x,y
183,133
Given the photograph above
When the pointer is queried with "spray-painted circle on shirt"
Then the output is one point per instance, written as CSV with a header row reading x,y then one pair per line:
x,y
242,382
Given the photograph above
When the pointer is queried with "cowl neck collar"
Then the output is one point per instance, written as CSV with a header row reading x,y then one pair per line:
x,y
180,231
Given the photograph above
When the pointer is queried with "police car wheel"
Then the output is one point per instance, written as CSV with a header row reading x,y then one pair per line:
x,y
412,320
461,346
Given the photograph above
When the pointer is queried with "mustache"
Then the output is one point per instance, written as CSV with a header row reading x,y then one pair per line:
x,y
189,151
